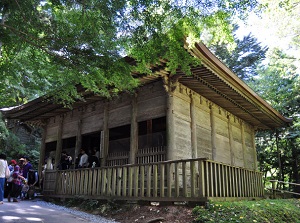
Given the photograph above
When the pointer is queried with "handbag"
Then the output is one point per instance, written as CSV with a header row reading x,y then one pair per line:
x,y
7,171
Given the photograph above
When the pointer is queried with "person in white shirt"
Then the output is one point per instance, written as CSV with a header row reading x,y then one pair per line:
x,y
3,164
83,163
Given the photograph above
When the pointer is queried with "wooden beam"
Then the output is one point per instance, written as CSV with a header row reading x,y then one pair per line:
x,y
42,151
78,143
254,149
133,131
230,136
105,135
193,126
213,132
59,142
243,143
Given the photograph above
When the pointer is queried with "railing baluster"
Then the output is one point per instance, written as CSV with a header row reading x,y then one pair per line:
x,y
169,180
136,181
193,176
162,180
142,181
184,179
201,179
149,168
155,179
124,179
176,181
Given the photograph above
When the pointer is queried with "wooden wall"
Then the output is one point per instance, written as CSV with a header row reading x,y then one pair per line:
x,y
151,103
220,136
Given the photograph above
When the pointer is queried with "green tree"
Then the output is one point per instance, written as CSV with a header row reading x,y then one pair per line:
x,y
244,58
68,42
279,84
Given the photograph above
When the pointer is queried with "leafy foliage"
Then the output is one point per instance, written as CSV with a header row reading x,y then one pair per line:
x,y
275,211
55,44
244,58
279,84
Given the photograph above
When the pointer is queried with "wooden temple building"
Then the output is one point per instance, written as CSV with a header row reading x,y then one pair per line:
x,y
177,138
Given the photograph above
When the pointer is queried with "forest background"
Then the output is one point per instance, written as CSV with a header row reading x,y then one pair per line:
x,y
48,46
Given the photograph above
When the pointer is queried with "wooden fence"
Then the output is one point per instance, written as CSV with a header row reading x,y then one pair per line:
x,y
279,187
181,180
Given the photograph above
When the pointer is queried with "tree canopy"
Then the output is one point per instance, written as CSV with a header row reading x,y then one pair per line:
x,y
55,44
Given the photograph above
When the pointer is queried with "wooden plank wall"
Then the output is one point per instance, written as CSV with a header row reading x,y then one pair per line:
x,y
220,135
151,103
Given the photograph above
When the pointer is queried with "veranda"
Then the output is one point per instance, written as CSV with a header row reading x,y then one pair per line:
x,y
178,180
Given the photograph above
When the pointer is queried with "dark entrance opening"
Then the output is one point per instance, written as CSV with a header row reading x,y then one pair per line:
x,y
152,133
91,141
119,139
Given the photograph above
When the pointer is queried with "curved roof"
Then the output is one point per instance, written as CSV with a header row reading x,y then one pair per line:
x,y
212,80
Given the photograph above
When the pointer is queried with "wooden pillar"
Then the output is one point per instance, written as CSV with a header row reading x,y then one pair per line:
x,y
243,143
254,150
170,84
134,134
232,160
78,137
105,136
213,132
193,126
59,142
170,127
42,151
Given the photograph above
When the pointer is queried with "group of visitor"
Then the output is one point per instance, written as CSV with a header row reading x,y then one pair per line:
x,y
17,178
90,160
85,159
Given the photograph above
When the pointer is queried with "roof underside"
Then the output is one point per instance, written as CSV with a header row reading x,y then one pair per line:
x,y
233,95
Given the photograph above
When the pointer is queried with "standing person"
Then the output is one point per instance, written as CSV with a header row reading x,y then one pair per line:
x,y
3,165
16,182
26,166
93,160
9,180
84,159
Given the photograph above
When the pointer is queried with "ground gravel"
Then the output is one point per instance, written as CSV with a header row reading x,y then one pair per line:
x,y
87,216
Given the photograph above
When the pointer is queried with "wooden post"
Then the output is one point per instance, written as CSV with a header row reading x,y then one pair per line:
x,y
230,141
170,127
105,136
133,132
59,142
42,151
78,137
254,150
213,132
243,143
193,127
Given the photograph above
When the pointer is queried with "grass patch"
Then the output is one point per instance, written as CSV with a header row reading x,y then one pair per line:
x,y
264,211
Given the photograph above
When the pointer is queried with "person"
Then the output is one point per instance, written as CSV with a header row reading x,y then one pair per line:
x,y
3,166
84,159
33,181
64,161
93,160
16,183
10,179
26,166
97,152
77,160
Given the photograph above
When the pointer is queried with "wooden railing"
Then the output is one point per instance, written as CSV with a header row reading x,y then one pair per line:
x,y
118,158
279,186
151,155
180,180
